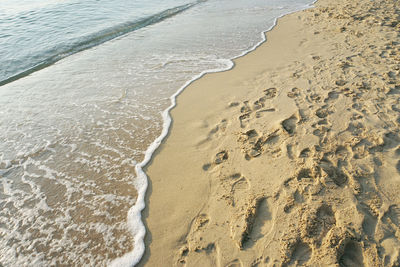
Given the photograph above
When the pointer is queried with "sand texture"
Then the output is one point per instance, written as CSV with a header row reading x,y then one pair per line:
x,y
292,158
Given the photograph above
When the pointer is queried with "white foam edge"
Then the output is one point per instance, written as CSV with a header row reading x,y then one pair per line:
x,y
135,223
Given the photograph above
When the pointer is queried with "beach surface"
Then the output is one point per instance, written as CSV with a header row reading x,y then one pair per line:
x,y
293,156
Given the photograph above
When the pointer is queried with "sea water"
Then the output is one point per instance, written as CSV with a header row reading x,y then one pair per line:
x,y
85,89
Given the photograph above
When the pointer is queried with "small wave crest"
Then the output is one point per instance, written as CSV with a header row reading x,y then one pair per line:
x,y
101,37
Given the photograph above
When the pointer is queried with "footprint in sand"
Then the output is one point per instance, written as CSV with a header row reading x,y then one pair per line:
x,y
270,93
322,112
300,255
251,136
295,92
356,128
333,173
233,104
244,119
315,98
343,152
254,144
245,108
235,263
317,223
305,173
325,219
289,125
217,131
340,82
219,128
260,113
221,157
332,96
352,255
305,153
360,149
258,104
263,223
248,225
238,187
289,151
393,213
346,91
391,254
356,116
369,221
200,222
206,255
206,166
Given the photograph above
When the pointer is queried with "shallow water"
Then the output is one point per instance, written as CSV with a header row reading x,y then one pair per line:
x,y
72,133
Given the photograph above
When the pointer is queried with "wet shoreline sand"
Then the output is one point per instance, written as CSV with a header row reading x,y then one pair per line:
x,y
293,156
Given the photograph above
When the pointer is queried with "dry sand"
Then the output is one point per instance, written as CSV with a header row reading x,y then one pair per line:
x,y
293,156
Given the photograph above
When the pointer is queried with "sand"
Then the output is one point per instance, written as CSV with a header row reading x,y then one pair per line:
x,y
292,157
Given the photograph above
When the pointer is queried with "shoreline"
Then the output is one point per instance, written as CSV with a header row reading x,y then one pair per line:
x,y
135,222
209,121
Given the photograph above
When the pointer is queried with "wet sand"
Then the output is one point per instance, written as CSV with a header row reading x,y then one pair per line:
x,y
293,156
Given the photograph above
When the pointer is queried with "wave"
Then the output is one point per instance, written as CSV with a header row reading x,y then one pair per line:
x,y
102,37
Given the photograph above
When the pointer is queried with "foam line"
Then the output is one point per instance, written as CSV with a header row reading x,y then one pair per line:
x,y
135,223
102,37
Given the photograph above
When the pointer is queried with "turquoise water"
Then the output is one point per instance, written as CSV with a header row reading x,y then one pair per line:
x,y
84,87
